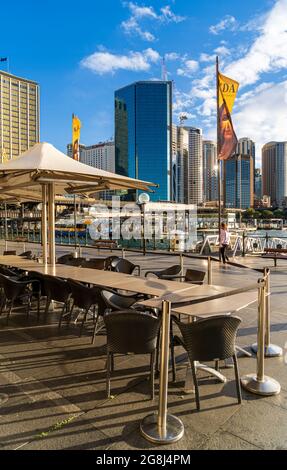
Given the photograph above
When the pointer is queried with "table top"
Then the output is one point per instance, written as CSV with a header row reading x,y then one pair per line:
x,y
162,289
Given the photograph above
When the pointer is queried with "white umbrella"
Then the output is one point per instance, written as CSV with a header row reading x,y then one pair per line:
x,y
42,171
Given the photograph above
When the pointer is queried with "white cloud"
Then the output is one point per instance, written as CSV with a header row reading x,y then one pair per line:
x,y
222,51
105,62
268,53
172,56
254,117
132,25
188,68
228,22
169,16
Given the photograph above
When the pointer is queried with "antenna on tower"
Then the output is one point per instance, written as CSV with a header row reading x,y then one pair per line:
x,y
163,70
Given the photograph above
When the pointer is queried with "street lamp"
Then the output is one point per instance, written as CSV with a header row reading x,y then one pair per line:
x,y
142,200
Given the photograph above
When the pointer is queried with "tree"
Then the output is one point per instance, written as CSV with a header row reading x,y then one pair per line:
x,y
249,213
267,214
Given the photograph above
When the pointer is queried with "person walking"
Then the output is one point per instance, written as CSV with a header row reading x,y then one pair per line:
x,y
224,242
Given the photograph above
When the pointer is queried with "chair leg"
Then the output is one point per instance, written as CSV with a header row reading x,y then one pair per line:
x,y
38,306
70,314
237,378
95,329
108,379
9,311
152,363
112,362
48,302
195,386
83,321
61,316
217,365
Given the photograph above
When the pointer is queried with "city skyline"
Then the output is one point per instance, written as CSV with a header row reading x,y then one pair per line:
x,y
79,73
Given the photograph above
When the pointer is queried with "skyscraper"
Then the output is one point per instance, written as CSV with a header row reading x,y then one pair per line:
x,y
143,134
239,181
274,172
19,115
194,171
179,163
209,170
258,184
101,155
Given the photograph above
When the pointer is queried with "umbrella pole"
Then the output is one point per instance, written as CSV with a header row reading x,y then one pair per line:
x,y
51,219
44,224
6,226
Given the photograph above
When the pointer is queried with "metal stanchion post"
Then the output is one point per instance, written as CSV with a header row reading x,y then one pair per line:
x,y
163,428
123,253
209,271
243,244
259,383
270,350
181,266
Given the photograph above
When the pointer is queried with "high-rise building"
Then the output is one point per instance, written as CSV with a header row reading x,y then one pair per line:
x,y
238,182
194,172
258,184
19,115
143,134
246,146
210,176
274,172
101,155
179,163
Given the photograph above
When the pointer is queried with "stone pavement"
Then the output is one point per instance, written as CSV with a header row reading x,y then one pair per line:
x,y
52,383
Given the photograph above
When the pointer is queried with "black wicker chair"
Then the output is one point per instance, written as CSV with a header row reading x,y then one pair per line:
x,y
85,298
65,258
210,339
129,331
168,274
58,290
94,263
26,254
78,262
126,267
9,253
115,301
16,290
193,276
111,262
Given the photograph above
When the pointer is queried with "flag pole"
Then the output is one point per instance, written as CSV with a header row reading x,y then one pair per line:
x,y
218,152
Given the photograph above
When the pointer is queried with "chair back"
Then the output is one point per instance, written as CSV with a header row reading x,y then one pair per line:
x,y
111,262
171,271
12,288
57,289
193,275
124,266
131,331
39,277
94,263
65,258
7,272
115,301
75,262
84,297
210,338
9,253
26,254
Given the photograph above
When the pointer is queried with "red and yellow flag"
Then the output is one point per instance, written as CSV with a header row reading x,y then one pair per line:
x,y
227,138
76,130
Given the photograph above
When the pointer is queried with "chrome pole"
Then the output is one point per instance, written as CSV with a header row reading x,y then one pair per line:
x,y
51,219
6,227
163,428
259,383
181,265
271,350
44,224
209,271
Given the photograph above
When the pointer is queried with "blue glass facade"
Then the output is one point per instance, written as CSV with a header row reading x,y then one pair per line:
x,y
239,182
143,134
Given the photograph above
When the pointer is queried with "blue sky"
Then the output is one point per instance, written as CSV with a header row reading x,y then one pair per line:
x,y
80,52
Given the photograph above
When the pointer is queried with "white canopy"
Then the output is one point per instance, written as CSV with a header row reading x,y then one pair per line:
x,y
43,163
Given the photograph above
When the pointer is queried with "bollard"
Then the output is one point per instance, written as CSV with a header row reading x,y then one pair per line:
x,y
259,383
181,266
270,350
123,253
209,271
163,428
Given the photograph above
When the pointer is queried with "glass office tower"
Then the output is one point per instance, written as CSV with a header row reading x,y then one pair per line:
x,y
143,113
239,182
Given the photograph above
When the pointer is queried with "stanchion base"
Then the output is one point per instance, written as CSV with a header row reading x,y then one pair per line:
x,y
267,387
151,432
270,351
